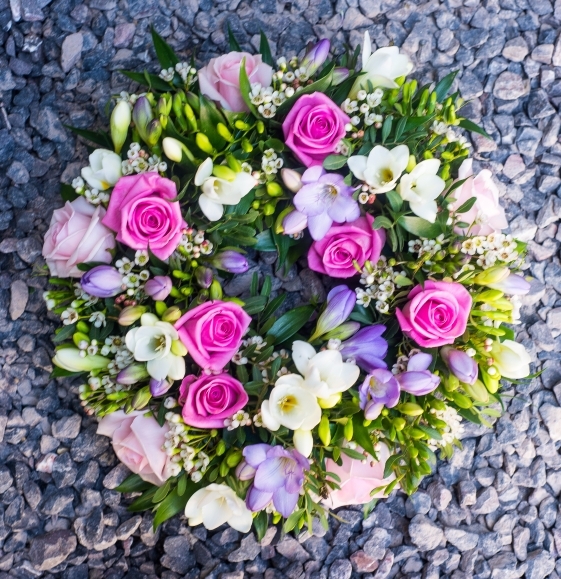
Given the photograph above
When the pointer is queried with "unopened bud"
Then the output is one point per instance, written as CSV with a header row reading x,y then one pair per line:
x,y
131,314
171,314
120,122
141,398
204,144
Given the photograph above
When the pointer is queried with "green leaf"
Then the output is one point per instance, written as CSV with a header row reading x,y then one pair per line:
x,y
161,493
276,144
393,459
143,502
352,453
164,52
241,373
400,127
64,333
174,504
67,192
273,306
291,522
432,432
288,324
234,45
245,88
474,128
133,484
465,207
395,200
267,286
99,138
334,162
254,304
150,80
361,435
419,227
261,524
265,241
386,128
182,484
265,50
210,117
382,222
443,86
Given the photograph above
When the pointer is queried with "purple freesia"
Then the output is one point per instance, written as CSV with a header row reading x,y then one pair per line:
x,y
340,303
158,288
294,223
367,348
230,261
102,281
278,477
464,367
323,199
513,285
379,389
159,387
316,55
417,380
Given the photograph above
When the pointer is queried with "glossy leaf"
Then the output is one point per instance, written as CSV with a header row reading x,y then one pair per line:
x,y
288,324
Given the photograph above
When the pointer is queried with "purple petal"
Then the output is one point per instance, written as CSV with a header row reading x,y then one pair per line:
x,y
255,454
419,362
418,383
344,209
369,363
301,459
285,502
294,479
372,410
318,225
270,475
313,174
294,222
312,200
257,500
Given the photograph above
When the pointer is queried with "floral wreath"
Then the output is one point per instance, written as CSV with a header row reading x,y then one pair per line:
x,y
242,406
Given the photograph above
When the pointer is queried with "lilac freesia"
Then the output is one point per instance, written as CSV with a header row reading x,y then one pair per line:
x,y
230,261
294,223
380,388
316,55
513,285
417,380
461,365
158,288
367,348
278,476
102,281
159,387
340,303
323,199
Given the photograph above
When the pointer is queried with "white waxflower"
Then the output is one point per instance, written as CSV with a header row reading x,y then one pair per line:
x,y
152,342
421,187
217,504
218,192
382,168
104,170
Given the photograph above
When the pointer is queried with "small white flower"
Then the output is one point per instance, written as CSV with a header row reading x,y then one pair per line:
x,y
104,170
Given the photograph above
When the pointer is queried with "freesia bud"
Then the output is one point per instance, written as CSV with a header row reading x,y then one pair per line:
x,y
343,332
120,123
178,348
291,179
294,223
460,364
173,149
132,374
131,314
511,359
244,471
323,431
164,104
70,359
316,56
513,285
493,275
215,291
204,276
330,401
171,315
303,441
230,261
159,387
154,132
339,75
340,303
141,116
477,391
141,398
204,144
158,288
102,281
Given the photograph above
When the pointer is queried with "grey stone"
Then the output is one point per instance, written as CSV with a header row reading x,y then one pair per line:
x,y
67,427
424,533
250,548
551,415
462,539
363,563
19,296
340,569
377,543
487,502
49,550
540,564
510,86
539,106
521,538
516,49
128,527
71,51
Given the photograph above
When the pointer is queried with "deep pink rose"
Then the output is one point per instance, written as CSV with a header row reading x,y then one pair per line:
x,y
76,235
436,313
209,400
358,479
213,332
314,127
334,254
141,213
219,80
138,442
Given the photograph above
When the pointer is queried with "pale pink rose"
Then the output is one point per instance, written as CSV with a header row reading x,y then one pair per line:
x,y
436,313
487,215
76,235
213,332
141,212
219,80
358,479
137,441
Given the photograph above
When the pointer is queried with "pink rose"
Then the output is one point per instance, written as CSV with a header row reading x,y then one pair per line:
x,y
334,254
141,213
212,333
138,442
436,313
210,399
219,80
486,216
76,235
314,127
358,479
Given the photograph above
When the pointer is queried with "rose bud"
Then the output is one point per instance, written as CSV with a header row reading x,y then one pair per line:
x,y
158,288
461,365
102,281
230,261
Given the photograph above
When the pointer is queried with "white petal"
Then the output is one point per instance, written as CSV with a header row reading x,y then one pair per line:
x,y
401,157
267,418
215,513
366,49
213,211
313,415
303,441
426,210
130,339
429,187
177,367
203,172
241,518
426,167
302,353
245,183
357,165
159,369
149,319
193,506
92,179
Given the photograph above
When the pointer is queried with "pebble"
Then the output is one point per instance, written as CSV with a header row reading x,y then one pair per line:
x,y
71,51
49,550
424,533
510,86
19,297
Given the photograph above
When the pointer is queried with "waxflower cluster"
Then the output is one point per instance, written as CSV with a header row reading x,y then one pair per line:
x,y
226,398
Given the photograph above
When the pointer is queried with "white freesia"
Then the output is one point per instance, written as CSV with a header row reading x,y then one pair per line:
x,y
218,192
511,359
381,68
72,360
218,504
421,187
104,170
152,343
382,168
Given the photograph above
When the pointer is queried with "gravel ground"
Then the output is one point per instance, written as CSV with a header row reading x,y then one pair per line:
x,y
492,511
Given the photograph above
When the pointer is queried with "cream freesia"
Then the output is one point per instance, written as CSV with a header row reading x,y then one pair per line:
x,y
421,187
381,67
511,359
215,505
382,168
104,170
71,359
218,192
152,343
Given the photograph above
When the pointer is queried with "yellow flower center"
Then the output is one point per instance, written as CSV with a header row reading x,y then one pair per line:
x,y
287,403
